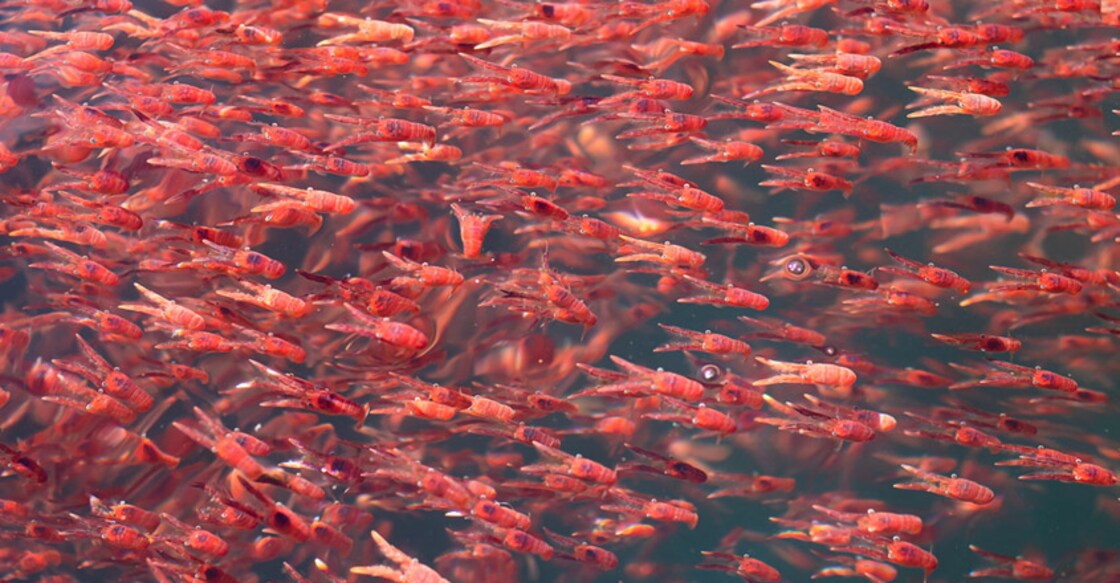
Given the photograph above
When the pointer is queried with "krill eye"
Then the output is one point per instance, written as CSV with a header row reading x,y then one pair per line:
x,y
280,520
829,350
711,372
797,267
252,165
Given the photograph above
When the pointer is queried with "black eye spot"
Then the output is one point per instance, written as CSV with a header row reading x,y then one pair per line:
x,y
251,165
829,350
990,344
548,11
487,508
196,16
281,520
797,267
